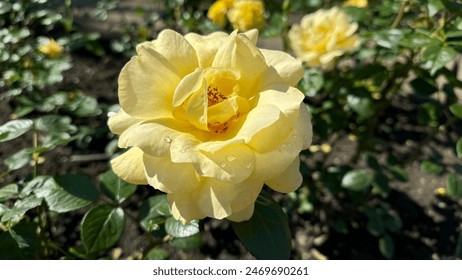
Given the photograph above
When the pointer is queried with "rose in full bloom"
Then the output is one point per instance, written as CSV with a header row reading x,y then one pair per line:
x,y
209,120
242,14
323,36
51,49
355,3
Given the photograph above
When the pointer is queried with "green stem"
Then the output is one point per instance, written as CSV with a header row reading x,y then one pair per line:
x,y
285,25
400,15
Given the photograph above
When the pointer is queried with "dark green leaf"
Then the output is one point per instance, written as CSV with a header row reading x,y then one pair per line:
x,y
434,6
157,254
7,191
116,188
386,246
417,40
371,161
154,211
429,113
458,252
102,227
69,192
267,234
454,186
459,148
393,222
380,184
177,229
399,173
19,243
456,109
363,106
18,159
19,209
190,242
357,179
375,223
54,123
14,129
431,167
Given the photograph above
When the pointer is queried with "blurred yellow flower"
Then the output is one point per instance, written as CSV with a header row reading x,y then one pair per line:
x,y
355,3
247,14
242,14
323,36
51,49
209,120
217,12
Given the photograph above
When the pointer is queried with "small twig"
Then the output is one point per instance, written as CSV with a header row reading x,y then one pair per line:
x,y
91,157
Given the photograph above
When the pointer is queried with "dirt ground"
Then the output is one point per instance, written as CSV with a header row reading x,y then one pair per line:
x,y
431,223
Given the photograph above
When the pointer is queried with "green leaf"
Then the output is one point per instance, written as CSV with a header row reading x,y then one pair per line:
x,y
434,6
102,227
417,40
116,188
54,124
459,148
19,243
399,173
380,184
311,82
393,222
388,38
177,229
154,211
357,179
363,106
429,113
157,254
36,183
69,192
454,186
436,56
190,242
19,209
7,191
18,159
386,246
14,129
457,253
456,109
431,167
371,161
267,234
375,223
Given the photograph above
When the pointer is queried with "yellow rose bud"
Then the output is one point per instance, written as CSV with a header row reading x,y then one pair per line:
x,y
323,36
52,49
355,3
247,14
217,12
209,120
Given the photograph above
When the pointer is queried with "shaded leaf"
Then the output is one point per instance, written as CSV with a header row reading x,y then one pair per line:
x,y
431,167
454,186
19,243
399,173
267,234
190,242
14,129
311,82
456,109
157,254
363,106
101,227
386,246
459,148
154,211
177,229
116,188
357,179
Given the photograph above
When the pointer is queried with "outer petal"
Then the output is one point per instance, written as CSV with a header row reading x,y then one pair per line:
x,y
243,215
119,122
146,85
215,198
287,68
289,180
206,46
177,50
184,206
129,166
173,177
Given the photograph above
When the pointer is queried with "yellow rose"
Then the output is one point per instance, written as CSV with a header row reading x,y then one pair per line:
x,y
51,49
247,14
323,36
209,120
217,12
355,3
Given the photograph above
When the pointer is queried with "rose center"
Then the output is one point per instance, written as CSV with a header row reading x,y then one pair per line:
x,y
214,96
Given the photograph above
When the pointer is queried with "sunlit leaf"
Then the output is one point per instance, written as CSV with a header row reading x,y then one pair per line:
x,y
454,186
431,167
157,254
459,148
176,228
102,227
456,109
14,129
7,191
357,179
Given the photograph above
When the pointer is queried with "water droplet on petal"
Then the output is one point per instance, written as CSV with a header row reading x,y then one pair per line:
x,y
183,151
294,136
168,139
230,158
249,165
223,164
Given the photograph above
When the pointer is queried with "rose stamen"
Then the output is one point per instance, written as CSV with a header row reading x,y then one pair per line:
x,y
214,96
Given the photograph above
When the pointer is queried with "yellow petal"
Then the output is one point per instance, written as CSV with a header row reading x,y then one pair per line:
x,y
250,189
184,206
215,198
177,50
243,215
129,166
287,68
174,177
146,85
119,122
289,180
206,46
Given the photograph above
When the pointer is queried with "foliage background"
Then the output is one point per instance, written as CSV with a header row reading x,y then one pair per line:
x,y
382,180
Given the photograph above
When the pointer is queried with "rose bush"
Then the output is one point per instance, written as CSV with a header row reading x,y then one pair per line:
x,y
323,36
209,120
